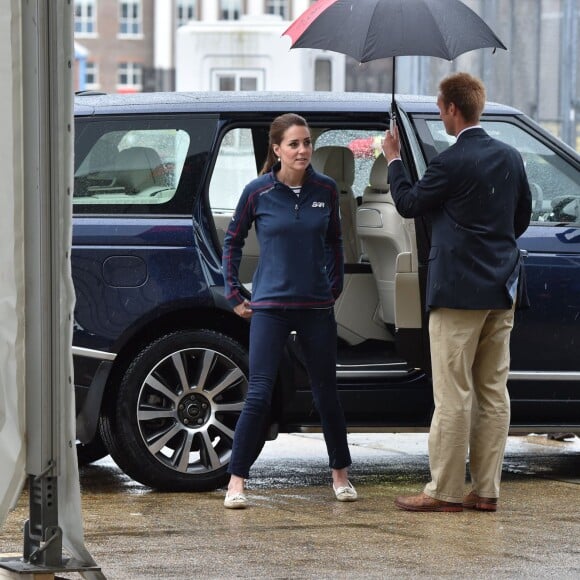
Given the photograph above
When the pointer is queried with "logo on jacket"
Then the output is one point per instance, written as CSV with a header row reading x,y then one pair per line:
x,y
317,204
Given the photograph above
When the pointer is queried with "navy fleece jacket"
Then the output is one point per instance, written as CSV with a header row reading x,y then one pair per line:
x,y
301,256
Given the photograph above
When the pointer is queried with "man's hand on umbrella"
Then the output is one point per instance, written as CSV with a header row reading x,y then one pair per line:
x,y
392,144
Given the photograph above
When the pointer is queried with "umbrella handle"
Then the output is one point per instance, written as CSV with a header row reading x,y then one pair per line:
x,y
393,117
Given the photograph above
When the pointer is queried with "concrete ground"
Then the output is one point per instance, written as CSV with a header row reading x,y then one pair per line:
x,y
295,529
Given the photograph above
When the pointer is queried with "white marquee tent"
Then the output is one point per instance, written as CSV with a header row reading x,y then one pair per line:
x,y
37,423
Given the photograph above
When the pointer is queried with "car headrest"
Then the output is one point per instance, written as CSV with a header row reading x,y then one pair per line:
x,y
137,167
336,162
379,176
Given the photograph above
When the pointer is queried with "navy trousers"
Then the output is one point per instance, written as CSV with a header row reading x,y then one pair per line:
x,y
269,331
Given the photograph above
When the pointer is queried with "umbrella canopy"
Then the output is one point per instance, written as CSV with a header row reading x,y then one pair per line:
x,y
372,29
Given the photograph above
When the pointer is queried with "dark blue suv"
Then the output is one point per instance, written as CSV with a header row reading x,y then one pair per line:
x,y
161,360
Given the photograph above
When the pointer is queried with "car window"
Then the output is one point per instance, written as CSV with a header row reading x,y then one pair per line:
x,y
132,167
235,167
237,161
140,164
555,183
365,145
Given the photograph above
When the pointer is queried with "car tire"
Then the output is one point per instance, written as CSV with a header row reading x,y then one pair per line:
x,y
88,453
172,422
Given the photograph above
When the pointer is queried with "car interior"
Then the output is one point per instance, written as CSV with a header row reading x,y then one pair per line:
x,y
131,167
377,241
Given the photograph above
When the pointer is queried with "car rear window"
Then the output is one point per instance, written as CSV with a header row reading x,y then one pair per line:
x,y
132,167
142,165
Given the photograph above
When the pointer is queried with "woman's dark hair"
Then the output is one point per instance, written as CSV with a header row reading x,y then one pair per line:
x,y
278,127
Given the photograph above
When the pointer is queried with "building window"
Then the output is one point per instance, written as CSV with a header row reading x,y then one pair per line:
x,y
248,83
226,83
322,75
238,80
91,75
129,77
85,17
230,9
279,7
186,11
130,18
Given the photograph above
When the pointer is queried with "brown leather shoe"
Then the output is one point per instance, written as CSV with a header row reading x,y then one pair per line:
x,y
425,503
472,501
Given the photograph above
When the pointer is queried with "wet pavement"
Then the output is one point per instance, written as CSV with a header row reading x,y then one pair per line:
x,y
295,529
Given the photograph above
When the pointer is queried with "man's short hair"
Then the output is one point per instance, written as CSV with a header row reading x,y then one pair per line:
x,y
466,92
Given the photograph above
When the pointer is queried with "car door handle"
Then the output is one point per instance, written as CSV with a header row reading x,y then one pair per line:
x,y
523,253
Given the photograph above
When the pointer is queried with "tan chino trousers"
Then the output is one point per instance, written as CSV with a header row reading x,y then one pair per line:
x,y
470,362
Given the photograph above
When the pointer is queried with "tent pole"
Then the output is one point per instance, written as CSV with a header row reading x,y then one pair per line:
x,y
44,71
43,537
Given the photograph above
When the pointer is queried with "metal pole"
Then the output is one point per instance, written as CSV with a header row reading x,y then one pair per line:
x,y
43,537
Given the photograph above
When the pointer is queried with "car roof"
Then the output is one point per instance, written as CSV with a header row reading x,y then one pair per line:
x,y
91,103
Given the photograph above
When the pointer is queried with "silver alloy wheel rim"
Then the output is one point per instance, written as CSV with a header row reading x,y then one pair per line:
x,y
187,409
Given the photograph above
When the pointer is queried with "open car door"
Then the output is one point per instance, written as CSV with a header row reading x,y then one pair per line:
x,y
411,336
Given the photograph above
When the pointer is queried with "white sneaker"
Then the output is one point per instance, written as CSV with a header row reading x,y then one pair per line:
x,y
236,501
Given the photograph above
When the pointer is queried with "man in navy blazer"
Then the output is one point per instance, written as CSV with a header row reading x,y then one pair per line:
x,y
478,199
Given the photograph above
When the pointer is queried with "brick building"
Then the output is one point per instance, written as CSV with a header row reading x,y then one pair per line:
x,y
130,44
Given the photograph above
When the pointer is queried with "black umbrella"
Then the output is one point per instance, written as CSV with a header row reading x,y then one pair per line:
x,y
371,29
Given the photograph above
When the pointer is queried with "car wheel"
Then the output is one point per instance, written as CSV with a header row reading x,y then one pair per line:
x,y
91,452
172,424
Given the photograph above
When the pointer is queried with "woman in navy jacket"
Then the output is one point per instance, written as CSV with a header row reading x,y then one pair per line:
x,y
295,211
